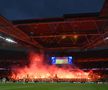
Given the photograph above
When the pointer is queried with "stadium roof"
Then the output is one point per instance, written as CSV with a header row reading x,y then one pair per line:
x,y
72,31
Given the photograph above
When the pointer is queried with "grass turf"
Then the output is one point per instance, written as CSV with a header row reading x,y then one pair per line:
x,y
52,86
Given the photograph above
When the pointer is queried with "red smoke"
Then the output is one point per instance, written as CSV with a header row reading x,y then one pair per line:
x,y
37,70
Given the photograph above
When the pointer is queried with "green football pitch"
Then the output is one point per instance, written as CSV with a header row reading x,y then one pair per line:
x,y
52,86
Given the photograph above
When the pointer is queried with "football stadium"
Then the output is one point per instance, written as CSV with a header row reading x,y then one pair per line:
x,y
53,45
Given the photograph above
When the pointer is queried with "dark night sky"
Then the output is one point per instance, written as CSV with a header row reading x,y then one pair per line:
x,y
29,9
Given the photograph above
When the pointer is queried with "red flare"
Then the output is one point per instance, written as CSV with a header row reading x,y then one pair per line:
x,y
37,70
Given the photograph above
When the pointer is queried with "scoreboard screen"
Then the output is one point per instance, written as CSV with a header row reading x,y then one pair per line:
x,y
62,60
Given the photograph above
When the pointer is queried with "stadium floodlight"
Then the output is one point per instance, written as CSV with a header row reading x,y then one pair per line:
x,y
2,37
10,40
106,38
